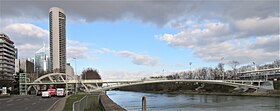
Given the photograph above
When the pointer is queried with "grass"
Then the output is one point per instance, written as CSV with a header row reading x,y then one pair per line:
x,y
276,85
70,100
92,97
95,100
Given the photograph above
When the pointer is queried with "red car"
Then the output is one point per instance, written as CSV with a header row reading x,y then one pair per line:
x,y
52,91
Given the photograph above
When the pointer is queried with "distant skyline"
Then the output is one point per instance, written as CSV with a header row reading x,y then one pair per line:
x,y
137,38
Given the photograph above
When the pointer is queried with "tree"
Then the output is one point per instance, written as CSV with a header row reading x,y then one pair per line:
x,y
233,65
90,73
220,70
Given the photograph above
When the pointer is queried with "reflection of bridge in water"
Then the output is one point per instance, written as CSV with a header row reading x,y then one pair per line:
x,y
95,85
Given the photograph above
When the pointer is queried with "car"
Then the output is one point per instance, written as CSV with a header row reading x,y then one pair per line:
x,y
46,94
60,92
52,92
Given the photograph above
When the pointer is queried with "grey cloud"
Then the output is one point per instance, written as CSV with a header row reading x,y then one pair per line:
x,y
154,11
28,38
242,54
215,41
257,26
268,44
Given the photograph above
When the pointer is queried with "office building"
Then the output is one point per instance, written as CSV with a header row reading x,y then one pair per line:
x,y
57,21
69,70
41,60
7,60
24,66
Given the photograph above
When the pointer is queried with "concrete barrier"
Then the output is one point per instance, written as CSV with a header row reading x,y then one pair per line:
x,y
108,104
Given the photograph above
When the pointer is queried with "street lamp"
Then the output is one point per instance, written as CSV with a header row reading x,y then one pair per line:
x,y
76,74
223,66
190,66
255,66
75,65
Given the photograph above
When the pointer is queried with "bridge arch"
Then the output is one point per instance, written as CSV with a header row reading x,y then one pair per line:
x,y
53,77
220,82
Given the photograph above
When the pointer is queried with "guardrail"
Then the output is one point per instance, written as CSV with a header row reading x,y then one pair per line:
x,y
81,104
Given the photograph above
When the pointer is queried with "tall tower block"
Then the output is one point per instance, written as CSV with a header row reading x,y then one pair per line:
x,y
57,23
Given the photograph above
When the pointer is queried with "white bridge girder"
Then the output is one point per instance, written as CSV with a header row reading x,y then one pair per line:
x,y
57,78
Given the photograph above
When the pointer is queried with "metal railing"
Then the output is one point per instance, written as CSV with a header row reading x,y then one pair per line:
x,y
85,103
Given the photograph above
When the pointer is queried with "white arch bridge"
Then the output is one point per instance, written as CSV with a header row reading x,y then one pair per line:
x,y
95,85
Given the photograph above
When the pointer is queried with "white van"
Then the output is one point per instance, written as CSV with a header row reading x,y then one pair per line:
x,y
46,94
60,92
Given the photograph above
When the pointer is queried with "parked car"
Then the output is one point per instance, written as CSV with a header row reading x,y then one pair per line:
x,y
52,92
46,94
60,92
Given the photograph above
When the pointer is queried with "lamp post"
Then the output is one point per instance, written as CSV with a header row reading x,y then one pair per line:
x,y
66,80
75,65
190,66
75,74
223,67
255,66
190,63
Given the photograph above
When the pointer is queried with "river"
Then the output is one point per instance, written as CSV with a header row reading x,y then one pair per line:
x,y
187,102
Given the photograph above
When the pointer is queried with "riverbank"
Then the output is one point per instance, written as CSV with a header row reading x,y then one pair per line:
x,y
201,89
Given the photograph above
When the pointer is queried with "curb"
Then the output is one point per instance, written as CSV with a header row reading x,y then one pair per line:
x,y
54,104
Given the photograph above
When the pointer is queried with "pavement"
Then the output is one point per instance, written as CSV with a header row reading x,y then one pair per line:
x,y
58,105
27,103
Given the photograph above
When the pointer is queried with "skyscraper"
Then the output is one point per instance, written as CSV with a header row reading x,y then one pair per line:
x,y
57,21
7,60
41,60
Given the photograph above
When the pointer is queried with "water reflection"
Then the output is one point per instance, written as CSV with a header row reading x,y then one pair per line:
x,y
184,102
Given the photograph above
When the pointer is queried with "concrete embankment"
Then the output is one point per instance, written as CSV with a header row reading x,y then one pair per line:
x,y
108,104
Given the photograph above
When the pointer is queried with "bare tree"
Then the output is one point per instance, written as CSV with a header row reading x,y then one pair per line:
x,y
233,65
220,70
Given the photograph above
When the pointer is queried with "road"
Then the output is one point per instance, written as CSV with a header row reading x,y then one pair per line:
x,y
27,103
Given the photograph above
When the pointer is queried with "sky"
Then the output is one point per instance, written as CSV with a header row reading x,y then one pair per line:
x,y
132,39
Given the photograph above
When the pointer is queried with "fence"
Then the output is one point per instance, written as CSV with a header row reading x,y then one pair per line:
x,y
85,103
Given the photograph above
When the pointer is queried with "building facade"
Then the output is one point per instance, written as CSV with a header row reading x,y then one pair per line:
x,y
7,60
24,66
57,21
41,60
69,70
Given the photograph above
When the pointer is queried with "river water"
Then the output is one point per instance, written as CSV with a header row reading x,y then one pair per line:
x,y
187,102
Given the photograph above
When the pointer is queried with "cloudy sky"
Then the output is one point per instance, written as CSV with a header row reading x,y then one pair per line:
x,y
139,38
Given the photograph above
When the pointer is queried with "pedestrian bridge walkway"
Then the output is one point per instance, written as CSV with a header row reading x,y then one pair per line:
x,y
95,85
243,84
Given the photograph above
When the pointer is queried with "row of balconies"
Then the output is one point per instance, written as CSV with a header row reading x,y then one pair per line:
x,y
7,66
3,50
7,58
6,62
7,55
6,70
7,45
